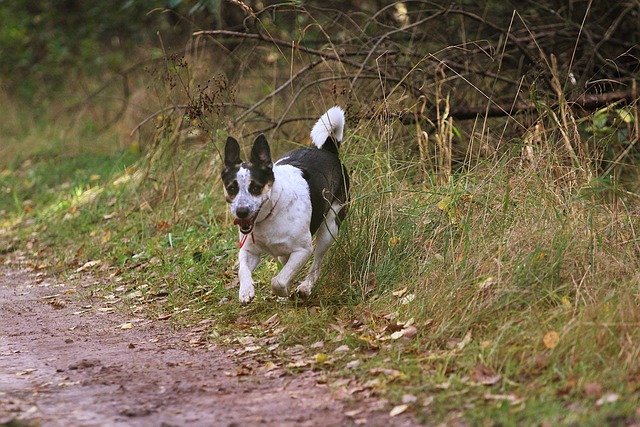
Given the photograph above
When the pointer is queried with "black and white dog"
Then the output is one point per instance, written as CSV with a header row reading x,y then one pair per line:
x,y
279,207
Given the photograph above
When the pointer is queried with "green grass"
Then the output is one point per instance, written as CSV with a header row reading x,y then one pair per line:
x,y
485,266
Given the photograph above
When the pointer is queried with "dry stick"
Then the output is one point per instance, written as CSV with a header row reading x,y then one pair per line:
x,y
277,91
181,107
278,42
305,87
386,36
509,35
586,102
160,111
575,47
290,45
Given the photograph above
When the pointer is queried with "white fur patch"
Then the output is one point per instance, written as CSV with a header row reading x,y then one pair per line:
x,y
329,124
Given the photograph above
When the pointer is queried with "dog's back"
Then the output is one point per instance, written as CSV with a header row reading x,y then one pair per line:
x,y
321,167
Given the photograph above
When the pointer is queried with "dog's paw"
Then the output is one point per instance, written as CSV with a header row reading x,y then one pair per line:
x,y
280,289
246,294
304,289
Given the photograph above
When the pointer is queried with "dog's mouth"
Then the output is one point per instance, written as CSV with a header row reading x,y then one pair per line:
x,y
245,225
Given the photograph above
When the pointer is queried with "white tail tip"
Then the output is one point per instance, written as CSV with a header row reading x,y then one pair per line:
x,y
329,124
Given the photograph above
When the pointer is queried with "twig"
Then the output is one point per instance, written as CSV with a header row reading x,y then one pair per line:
x,y
160,111
586,102
277,91
283,43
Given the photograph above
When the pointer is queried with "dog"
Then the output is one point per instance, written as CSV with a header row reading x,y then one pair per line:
x,y
279,207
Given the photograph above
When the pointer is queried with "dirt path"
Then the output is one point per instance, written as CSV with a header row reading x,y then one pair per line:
x,y
65,365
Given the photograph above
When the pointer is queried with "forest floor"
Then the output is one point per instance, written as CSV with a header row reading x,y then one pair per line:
x,y
67,361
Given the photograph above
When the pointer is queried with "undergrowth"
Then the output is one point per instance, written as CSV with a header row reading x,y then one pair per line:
x,y
507,293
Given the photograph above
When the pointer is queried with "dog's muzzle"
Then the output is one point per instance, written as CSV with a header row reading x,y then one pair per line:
x,y
246,225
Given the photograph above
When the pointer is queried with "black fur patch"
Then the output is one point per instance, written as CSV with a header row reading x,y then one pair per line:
x,y
328,180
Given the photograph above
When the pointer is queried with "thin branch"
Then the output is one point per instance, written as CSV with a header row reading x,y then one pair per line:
x,y
283,43
585,102
277,91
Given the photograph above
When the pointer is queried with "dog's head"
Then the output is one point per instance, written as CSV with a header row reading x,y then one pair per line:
x,y
247,185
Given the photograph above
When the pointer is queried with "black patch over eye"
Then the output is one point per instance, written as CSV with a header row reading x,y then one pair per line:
x,y
232,188
255,189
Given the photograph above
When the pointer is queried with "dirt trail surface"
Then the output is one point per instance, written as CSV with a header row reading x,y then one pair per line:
x,y
64,363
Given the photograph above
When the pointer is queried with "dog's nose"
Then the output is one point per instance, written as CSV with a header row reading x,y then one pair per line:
x,y
242,212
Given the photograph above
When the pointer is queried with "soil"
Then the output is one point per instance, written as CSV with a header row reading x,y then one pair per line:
x,y
65,363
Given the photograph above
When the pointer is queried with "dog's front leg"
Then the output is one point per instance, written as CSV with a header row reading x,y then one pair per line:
x,y
248,262
281,284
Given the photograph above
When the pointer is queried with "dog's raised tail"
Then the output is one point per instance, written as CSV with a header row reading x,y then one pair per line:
x,y
329,129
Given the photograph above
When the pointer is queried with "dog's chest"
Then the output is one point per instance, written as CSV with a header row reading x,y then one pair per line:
x,y
287,225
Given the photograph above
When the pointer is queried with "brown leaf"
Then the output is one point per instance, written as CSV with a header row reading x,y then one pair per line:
x,y
163,225
593,389
394,326
410,332
484,375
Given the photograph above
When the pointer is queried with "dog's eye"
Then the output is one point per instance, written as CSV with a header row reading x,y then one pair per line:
x,y
232,189
255,189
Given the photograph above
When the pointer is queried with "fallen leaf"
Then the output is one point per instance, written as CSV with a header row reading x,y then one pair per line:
x,y
457,343
409,398
391,374
57,304
607,398
246,340
593,389
551,339
127,325
352,414
353,364
485,376
409,332
268,367
487,283
89,264
397,410
394,241
271,321
106,236
511,398
397,335
243,371
300,363
321,358
342,349
407,299
400,292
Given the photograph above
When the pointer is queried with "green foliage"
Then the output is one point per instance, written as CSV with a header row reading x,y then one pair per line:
x,y
44,43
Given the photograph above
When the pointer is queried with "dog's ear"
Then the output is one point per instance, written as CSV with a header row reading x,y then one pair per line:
x,y
232,153
260,153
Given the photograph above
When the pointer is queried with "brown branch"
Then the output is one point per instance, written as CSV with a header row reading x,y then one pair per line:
x,y
278,42
585,102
